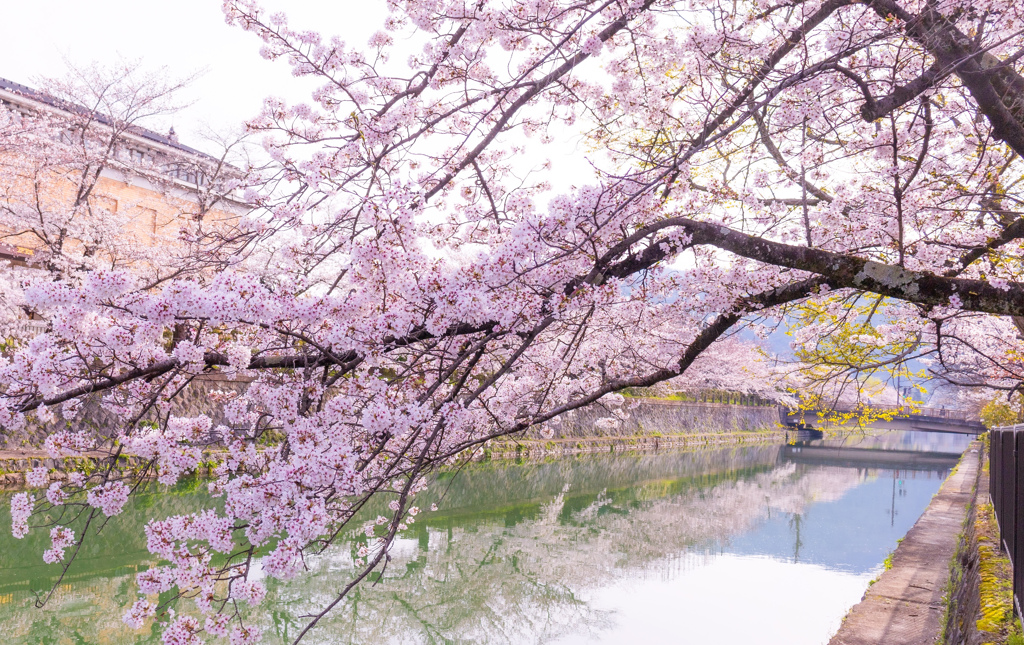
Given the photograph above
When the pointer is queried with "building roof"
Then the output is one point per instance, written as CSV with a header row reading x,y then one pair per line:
x,y
60,104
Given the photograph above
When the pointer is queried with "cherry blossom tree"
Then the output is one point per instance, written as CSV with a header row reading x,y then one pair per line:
x,y
416,281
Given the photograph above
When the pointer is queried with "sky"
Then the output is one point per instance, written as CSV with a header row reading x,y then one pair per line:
x,y
38,39
185,36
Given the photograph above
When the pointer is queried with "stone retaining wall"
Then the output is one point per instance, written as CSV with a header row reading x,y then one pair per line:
x,y
193,401
637,417
628,443
648,417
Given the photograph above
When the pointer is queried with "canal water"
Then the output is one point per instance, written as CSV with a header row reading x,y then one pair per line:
x,y
748,544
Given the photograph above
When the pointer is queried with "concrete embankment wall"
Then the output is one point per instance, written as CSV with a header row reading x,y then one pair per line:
x,y
644,425
537,448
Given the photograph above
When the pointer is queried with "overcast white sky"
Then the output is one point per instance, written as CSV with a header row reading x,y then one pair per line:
x,y
187,36
183,35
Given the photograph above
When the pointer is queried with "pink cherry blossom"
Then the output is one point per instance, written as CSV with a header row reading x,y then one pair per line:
x,y
21,511
37,477
109,498
184,630
137,614
251,592
55,494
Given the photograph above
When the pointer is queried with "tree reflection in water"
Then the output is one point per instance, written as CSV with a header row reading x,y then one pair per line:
x,y
509,558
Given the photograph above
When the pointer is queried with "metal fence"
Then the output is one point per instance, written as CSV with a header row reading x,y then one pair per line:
x,y
1006,488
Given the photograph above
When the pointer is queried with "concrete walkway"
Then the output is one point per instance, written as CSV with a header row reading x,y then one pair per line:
x,y
905,606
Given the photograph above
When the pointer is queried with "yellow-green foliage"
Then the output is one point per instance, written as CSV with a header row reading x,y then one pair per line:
x,y
849,353
996,587
999,412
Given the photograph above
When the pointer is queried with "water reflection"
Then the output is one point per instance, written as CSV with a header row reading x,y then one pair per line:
x,y
657,548
728,599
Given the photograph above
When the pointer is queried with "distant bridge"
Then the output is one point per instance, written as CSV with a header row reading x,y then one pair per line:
x,y
816,455
905,418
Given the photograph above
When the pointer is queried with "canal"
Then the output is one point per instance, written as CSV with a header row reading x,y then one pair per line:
x,y
765,544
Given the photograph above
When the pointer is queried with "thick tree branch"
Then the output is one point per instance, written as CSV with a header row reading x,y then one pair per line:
x,y
1014,231
216,359
996,87
877,108
843,271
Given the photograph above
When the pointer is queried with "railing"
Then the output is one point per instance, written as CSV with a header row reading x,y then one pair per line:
x,y
942,413
25,328
1006,488
908,410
